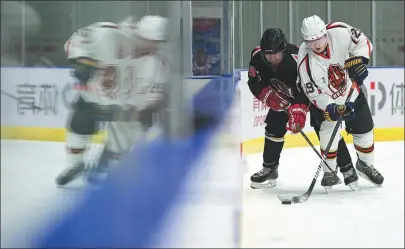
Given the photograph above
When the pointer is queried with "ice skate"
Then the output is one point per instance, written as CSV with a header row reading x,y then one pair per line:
x,y
329,179
266,177
350,177
97,173
70,174
369,173
99,169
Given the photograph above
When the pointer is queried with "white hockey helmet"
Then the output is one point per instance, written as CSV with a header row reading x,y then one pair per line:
x,y
313,28
152,28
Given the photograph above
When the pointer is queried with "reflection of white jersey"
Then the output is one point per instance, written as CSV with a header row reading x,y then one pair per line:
x,y
125,79
323,76
104,42
152,72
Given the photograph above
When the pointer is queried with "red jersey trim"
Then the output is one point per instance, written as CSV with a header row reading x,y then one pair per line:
x,y
255,51
334,25
327,56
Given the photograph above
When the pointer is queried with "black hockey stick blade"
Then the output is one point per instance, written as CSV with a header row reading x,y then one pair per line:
x,y
293,199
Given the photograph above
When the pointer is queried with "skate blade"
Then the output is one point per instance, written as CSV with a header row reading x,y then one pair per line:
x,y
264,185
368,179
354,186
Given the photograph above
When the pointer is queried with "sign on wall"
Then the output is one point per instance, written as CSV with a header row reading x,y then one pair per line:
x,y
41,87
52,90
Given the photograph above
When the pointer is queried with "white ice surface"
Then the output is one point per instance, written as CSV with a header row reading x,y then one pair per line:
x,y
29,196
373,217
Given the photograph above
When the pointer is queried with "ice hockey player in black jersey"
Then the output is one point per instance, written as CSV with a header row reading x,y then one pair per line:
x,y
273,79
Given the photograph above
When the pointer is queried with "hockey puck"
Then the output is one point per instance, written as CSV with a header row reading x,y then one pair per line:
x,y
286,202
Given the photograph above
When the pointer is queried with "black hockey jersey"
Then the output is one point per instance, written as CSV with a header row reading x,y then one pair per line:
x,y
261,73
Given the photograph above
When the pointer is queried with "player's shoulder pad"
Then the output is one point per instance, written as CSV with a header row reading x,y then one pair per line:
x,y
335,25
292,48
293,51
339,30
151,67
255,52
105,25
302,51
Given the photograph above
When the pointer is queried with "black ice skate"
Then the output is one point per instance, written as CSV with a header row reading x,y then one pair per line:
x,y
265,178
369,173
70,174
329,179
350,177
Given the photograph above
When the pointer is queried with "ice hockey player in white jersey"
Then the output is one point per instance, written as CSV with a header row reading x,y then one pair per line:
x,y
331,58
120,81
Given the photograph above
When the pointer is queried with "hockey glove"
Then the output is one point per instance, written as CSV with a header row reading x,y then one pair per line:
x,y
297,115
82,72
334,111
273,99
356,67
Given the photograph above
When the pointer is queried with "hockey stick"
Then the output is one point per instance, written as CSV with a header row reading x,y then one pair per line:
x,y
316,151
319,155
304,197
17,99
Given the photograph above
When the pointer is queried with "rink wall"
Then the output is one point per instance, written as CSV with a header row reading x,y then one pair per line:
x,y
51,90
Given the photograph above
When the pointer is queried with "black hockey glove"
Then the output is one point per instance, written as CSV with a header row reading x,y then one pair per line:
x,y
357,69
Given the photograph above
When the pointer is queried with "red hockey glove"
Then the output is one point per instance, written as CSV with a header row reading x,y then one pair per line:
x,y
297,115
273,99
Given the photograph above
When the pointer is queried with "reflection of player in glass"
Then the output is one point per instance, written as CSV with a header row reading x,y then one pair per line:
x,y
121,79
201,65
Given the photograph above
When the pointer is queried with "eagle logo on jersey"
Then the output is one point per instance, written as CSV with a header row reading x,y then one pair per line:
x,y
337,80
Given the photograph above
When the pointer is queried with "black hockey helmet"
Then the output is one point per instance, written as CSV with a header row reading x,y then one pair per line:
x,y
273,41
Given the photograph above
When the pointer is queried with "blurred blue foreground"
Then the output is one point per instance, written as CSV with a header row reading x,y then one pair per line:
x,y
130,207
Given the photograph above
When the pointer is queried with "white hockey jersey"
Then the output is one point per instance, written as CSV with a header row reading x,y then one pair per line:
x,y
323,76
124,78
